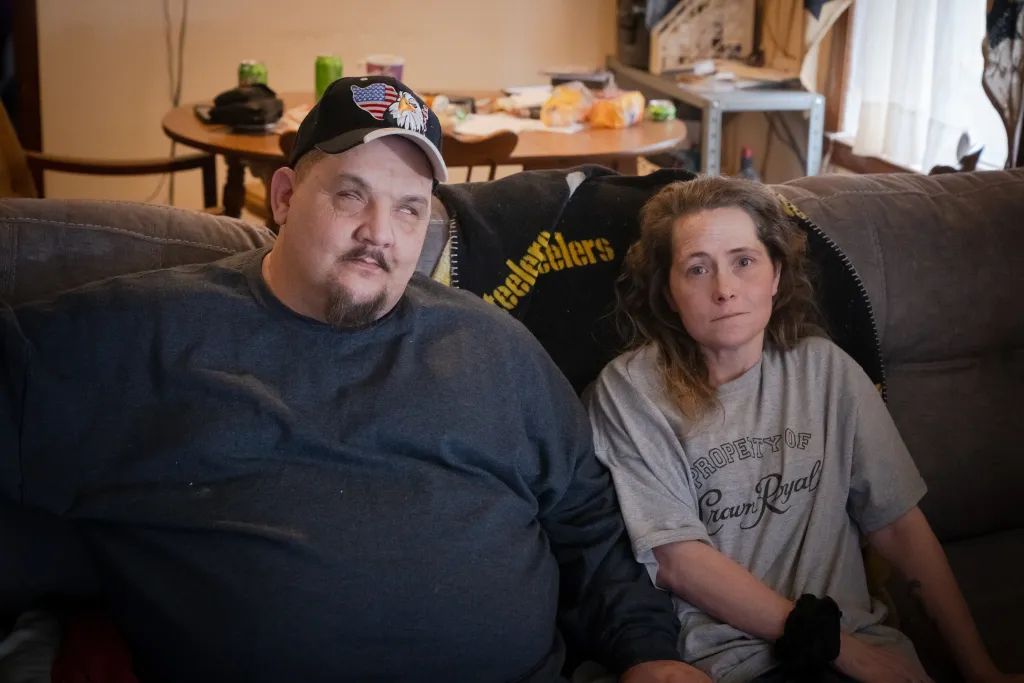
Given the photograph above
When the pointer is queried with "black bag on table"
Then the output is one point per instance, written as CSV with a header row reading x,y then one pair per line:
x,y
249,106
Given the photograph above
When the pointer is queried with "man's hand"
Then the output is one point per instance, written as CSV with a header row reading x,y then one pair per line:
x,y
663,672
870,664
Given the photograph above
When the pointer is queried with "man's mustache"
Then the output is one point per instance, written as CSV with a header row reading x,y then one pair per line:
x,y
367,252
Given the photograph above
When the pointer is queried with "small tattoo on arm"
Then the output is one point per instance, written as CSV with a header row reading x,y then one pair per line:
x,y
914,588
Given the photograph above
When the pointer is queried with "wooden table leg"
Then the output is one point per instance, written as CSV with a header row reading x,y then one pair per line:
x,y
627,165
234,188
265,172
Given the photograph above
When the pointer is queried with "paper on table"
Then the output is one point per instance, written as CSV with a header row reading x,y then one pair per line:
x,y
489,124
525,97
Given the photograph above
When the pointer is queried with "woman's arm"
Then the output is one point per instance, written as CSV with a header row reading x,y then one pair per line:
x,y
711,581
911,547
707,579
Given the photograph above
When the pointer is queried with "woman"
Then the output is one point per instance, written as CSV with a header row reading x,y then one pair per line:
x,y
749,454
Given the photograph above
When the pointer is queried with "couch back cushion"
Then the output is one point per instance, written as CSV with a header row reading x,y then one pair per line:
x,y
48,245
942,259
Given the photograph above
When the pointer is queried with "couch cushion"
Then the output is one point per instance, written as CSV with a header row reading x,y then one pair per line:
x,y
49,245
942,259
963,421
941,256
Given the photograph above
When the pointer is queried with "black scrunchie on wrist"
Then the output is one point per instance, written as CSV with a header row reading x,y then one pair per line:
x,y
810,639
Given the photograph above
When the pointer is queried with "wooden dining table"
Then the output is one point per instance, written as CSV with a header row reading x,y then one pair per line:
x,y
261,152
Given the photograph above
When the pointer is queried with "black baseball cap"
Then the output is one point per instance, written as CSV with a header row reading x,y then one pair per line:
x,y
356,110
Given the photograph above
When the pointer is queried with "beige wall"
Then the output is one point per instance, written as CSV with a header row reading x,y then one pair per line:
x,y
105,86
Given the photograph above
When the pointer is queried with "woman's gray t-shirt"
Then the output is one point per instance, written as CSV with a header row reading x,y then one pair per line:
x,y
800,459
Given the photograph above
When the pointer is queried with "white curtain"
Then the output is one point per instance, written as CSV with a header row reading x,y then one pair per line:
x,y
915,80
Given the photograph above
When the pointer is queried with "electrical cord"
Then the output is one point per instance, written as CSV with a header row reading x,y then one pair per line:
x,y
174,79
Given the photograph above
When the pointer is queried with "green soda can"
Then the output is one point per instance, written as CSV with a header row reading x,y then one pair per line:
x,y
251,72
661,110
328,70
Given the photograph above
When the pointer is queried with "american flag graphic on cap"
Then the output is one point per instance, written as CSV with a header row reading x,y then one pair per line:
x,y
374,99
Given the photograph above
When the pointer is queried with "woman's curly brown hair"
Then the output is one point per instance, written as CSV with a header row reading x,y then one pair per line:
x,y
644,314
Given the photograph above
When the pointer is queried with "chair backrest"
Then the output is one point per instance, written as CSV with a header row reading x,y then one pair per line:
x,y
491,151
15,176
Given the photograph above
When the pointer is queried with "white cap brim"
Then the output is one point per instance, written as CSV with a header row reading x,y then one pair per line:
x,y
432,152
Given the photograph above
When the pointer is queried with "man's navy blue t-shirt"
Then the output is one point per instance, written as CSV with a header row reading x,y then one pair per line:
x,y
264,497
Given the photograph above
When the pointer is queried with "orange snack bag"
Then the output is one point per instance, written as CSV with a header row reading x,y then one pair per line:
x,y
620,111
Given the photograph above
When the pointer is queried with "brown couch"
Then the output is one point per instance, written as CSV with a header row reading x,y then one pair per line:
x,y
941,259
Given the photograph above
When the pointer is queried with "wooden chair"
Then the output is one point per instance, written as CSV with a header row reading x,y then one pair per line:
x,y
17,165
491,151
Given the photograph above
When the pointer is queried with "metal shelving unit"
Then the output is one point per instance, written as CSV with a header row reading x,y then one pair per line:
x,y
714,104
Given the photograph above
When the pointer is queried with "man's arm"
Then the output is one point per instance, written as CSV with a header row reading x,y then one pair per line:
x,y
43,557
911,547
13,378
608,603
41,554
609,610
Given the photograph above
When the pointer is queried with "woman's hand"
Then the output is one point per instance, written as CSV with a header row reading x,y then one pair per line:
x,y
871,664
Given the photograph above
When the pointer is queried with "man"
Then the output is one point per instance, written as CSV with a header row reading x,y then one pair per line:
x,y
311,465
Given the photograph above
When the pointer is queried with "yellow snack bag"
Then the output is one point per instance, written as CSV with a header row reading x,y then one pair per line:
x,y
620,111
568,104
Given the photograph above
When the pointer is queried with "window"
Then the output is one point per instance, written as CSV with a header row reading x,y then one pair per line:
x,y
914,83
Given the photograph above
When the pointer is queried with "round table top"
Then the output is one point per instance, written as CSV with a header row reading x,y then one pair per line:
x,y
647,137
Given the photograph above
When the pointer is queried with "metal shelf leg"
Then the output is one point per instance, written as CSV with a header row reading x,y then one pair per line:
x,y
815,133
711,142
